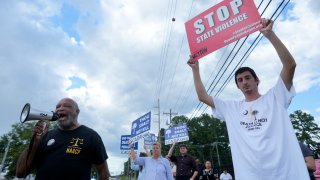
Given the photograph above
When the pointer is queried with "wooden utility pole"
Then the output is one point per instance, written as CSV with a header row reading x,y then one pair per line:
x,y
170,115
158,107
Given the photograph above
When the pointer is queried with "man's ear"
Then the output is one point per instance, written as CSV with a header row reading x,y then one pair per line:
x,y
258,81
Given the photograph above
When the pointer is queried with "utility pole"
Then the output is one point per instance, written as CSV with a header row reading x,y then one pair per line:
x,y
216,144
170,115
218,154
5,155
158,106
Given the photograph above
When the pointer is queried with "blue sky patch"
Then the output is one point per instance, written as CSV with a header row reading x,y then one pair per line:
x,y
77,83
302,101
67,19
287,10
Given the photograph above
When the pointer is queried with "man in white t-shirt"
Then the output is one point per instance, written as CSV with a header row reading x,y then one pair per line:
x,y
225,175
262,139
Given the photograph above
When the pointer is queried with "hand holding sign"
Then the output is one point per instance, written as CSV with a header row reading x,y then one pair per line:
x,y
174,142
267,25
194,64
132,154
131,144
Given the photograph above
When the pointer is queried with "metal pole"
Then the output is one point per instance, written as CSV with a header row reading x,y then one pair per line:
x,y
159,122
5,155
218,154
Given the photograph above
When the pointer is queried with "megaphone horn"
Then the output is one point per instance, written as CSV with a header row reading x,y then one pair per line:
x,y
29,114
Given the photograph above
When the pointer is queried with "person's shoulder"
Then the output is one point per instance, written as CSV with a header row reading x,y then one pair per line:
x,y
162,158
278,86
189,156
53,132
229,102
87,130
173,156
303,146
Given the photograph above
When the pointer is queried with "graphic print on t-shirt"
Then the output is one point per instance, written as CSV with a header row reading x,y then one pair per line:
x,y
250,119
74,147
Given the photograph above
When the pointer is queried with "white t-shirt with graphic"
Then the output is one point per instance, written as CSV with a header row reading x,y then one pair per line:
x,y
263,142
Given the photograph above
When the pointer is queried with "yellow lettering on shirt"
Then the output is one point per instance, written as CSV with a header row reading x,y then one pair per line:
x,y
73,151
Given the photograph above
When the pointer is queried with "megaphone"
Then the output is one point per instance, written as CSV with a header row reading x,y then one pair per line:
x,y
29,114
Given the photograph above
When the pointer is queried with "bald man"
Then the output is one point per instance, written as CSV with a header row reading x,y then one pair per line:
x,y
67,152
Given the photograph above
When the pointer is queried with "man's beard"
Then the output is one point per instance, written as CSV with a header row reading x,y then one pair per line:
x,y
66,124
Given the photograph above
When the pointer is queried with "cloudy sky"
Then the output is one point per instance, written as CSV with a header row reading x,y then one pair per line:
x,y
117,58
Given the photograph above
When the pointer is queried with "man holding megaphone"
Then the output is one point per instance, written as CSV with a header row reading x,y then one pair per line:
x,y
67,152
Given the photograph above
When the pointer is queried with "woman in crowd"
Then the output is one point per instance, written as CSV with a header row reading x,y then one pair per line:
x,y
208,173
137,167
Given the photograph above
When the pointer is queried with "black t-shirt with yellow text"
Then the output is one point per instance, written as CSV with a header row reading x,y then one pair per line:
x,y
69,155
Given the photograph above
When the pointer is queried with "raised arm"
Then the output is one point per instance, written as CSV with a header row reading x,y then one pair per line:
x,y
203,96
171,149
26,161
287,60
146,150
132,153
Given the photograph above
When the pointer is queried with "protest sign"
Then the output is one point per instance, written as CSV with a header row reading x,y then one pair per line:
x,y
177,133
140,127
149,140
124,144
220,25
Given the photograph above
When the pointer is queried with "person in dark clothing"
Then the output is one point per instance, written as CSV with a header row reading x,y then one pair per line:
x,y
308,157
67,152
208,172
186,165
199,167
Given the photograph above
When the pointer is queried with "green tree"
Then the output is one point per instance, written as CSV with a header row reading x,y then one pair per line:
x,y
307,131
19,136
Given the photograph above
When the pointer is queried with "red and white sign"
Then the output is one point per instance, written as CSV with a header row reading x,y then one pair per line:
x,y
220,25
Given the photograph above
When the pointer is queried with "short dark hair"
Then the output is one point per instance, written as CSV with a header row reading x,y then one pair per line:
x,y
143,154
243,69
183,145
